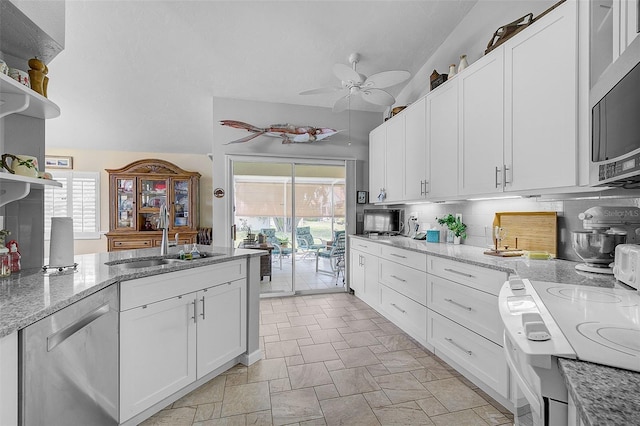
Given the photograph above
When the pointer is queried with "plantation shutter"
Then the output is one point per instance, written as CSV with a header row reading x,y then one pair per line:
x,y
79,198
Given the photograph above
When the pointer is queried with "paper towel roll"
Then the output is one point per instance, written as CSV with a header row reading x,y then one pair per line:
x,y
61,242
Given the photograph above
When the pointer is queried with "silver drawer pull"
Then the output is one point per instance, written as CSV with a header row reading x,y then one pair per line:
x,y
398,255
458,346
458,272
453,302
400,309
398,278
363,246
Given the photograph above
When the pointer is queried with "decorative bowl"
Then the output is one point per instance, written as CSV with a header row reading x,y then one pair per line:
x,y
596,248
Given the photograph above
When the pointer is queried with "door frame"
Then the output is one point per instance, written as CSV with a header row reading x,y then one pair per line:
x,y
350,165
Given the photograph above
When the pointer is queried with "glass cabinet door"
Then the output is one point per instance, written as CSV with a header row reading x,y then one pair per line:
x,y
153,193
126,203
181,203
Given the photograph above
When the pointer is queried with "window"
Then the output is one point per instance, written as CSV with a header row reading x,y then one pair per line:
x,y
78,198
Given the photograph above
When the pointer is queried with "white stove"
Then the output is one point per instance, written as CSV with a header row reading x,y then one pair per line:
x,y
545,320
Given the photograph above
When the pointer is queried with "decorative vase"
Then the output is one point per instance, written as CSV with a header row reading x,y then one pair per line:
x,y
452,71
456,240
463,63
450,237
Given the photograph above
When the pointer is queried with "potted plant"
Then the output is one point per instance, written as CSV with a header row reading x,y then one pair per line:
x,y
283,241
455,225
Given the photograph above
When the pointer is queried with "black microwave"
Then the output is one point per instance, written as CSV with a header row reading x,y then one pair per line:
x,y
615,123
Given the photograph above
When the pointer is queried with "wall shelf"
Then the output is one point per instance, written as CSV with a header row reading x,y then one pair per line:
x,y
16,98
15,187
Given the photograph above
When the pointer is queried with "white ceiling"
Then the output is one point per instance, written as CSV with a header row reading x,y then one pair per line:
x,y
141,75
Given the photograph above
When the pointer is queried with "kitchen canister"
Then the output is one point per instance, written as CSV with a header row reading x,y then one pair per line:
x,y
61,242
433,236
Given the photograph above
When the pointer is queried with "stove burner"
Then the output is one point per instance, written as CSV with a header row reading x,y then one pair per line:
x,y
581,294
613,336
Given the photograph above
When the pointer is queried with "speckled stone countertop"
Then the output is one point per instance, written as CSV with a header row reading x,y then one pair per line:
x,y
603,395
31,295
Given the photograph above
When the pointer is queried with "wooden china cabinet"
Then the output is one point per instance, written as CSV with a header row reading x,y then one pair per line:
x,y
136,193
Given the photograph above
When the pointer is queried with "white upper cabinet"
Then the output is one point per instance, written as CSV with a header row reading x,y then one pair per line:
x,y
482,125
395,158
442,137
415,151
377,164
508,123
541,85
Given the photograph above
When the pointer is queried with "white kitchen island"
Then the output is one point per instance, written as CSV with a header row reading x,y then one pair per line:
x,y
224,283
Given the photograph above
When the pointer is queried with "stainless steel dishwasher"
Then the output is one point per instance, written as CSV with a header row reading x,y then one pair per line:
x,y
69,364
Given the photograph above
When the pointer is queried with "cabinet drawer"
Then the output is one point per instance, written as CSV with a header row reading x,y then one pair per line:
x,y
483,279
471,308
409,258
365,246
405,313
131,244
406,281
480,357
142,291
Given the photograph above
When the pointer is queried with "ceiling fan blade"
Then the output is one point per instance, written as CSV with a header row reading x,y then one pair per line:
x,y
341,104
321,91
378,97
346,73
386,79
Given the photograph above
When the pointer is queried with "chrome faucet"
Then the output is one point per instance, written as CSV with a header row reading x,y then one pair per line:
x,y
163,223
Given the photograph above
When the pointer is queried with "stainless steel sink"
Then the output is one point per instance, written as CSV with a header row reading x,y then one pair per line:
x,y
145,263
157,261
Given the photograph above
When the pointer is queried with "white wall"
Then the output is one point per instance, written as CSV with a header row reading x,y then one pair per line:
x,y
262,114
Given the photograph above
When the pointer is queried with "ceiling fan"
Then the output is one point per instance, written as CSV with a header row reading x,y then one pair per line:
x,y
369,88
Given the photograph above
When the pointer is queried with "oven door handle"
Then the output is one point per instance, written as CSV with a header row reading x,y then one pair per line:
x,y
529,393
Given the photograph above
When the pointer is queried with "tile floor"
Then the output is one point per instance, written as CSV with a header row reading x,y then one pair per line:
x,y
332,360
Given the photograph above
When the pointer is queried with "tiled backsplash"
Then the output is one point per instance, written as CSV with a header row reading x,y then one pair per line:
x,y
478,216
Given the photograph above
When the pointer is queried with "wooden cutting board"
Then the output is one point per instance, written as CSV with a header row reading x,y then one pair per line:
x,y
533,230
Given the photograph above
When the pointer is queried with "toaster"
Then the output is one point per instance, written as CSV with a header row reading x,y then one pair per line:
x,y
626,266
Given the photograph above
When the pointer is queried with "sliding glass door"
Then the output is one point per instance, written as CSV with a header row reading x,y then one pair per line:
x,y
295,210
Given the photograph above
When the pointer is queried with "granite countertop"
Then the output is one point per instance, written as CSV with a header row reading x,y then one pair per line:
x,y
32,294
603,395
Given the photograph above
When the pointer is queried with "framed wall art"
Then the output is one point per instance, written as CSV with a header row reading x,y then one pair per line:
x,y
58,162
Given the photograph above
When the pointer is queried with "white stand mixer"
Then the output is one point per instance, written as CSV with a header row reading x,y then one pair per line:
x,y
605,228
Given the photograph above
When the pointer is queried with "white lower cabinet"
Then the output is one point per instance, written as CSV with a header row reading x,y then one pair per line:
x,y
158,353
404,312
469,307
222,328
364,276
448,306
479,356
197,326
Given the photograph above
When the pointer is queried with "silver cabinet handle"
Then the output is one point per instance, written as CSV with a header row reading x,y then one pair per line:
x,y
194,317
400,309
453,302
505,168
398,278
398,255
458,346
458,272
426,188
60,336
202,314
498,184
423,187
